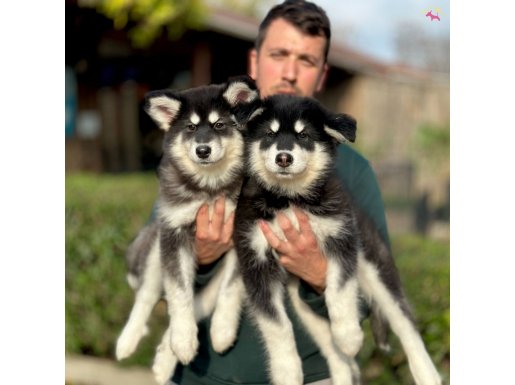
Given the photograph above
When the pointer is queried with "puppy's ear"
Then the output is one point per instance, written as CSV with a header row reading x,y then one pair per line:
x,y
242,95
341,127
163,107
240,89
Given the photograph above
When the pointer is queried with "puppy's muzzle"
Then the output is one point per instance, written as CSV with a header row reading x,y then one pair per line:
x,y
283,159
203,151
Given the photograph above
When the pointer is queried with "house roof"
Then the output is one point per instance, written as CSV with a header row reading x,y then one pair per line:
x,y
342,56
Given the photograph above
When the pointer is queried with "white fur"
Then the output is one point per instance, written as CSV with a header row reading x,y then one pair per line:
x,y
284,361
179,215
164,110
274,125
335,134
340,366
307,168
419,361
165,360
194,118
257,112
146,298
239,92
213,117
183,332
216,173
225,320
259,243
342,305
299,126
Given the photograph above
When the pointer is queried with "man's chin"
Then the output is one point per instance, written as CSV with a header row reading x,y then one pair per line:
x,y
286,91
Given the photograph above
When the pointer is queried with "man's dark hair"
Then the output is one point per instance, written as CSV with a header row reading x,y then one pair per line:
x,y
306,16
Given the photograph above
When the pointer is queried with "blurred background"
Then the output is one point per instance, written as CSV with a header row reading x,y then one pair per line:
x,y
389,69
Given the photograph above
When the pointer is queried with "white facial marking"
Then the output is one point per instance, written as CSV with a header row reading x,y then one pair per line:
x,y
213,117
299,126
194,118
274,126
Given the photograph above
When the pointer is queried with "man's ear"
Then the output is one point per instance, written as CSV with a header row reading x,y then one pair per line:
x,y
252,62
163,107
341,127
322,78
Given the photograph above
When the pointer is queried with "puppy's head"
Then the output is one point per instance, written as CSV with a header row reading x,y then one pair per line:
x,y
292,141
202,131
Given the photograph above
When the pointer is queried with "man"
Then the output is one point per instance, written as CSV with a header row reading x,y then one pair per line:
x,y
290,56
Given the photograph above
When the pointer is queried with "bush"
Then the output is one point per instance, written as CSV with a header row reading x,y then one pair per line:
x,y
104,213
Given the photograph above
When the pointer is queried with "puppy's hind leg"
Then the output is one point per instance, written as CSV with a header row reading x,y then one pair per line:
x,y
276,329
147,296
226,316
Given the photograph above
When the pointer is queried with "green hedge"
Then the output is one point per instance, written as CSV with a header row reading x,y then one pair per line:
x,y
103,214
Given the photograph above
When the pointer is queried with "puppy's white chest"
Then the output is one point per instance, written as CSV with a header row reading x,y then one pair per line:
x,y
179,215
322,227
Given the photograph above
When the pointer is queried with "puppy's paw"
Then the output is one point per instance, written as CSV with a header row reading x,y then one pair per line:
x,y
184,342
349,339
128,341
287,371
164,363
222,338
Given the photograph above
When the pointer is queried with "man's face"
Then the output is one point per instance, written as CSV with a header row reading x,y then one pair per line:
x,y
288,61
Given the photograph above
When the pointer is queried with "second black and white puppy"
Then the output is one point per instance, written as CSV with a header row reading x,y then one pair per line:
x,y
291,154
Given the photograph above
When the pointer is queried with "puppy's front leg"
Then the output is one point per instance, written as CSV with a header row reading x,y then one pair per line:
x,y
179,267
342,304
343,369
226,316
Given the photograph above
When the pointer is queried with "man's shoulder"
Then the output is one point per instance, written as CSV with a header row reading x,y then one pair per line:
x,y
350,164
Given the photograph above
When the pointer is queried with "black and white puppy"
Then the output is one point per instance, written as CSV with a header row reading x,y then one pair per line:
x,y
202,160
291,153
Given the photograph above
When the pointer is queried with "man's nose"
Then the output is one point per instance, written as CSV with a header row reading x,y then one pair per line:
x,y
290,70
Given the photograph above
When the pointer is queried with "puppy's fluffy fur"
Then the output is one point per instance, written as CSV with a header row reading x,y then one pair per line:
x,y
202,160
290,154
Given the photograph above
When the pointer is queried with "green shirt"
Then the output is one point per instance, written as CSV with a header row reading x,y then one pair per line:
x,y
245,362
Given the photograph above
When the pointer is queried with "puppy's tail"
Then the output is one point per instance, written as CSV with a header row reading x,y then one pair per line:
x,y
380,329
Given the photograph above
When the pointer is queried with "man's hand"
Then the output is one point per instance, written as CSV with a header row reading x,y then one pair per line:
x,y
299,252
213,236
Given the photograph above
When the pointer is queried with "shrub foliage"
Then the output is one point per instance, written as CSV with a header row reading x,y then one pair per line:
x,y
103,214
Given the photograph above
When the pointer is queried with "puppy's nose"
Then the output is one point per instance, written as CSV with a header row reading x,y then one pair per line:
x,y
283,159
203,152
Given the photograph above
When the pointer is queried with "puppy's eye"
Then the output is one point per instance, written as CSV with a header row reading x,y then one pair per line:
x,y
191,127
219,126
303,135
270,134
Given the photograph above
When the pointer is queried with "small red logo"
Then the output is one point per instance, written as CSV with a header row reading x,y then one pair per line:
x,y
433,17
